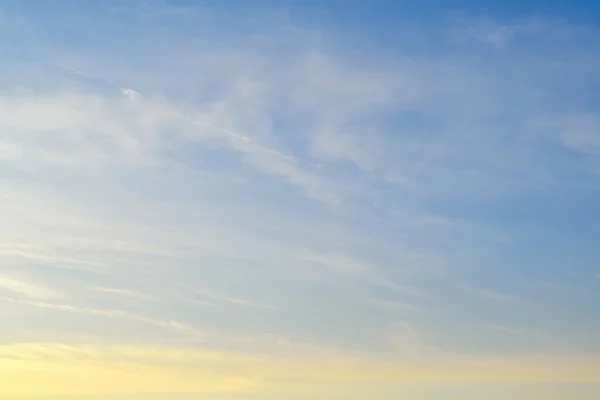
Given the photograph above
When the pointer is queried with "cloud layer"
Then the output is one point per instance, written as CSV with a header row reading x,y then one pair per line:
x,y
267,202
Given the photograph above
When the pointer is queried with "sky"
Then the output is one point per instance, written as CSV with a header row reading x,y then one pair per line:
x,y
273,200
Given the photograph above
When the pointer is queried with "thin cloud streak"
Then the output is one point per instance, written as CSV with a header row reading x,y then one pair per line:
x,y
108,313
233,300
27,288
127,293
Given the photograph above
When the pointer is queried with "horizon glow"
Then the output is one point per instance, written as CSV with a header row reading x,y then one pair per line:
x,y
296,199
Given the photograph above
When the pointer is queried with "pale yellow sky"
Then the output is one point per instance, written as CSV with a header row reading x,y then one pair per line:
x,y
86,371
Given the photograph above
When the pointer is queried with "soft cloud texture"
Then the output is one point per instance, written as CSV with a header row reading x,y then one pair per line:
x,y
262,198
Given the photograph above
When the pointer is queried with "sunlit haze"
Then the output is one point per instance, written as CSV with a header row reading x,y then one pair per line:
x,y
285,200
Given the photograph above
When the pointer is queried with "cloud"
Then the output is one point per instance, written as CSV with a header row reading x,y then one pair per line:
x,y
395,305
496,295
520,331
365,273
79,131
27,288
396,287
494,33
108,313
92,130
233,300
402,121
415,157
127,293
337,262
577,133
410,343
131,94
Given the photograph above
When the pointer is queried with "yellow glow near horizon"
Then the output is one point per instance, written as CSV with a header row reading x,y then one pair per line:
x,y
59,369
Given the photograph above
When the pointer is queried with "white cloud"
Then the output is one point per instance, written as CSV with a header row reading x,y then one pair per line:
x,y
126,292
336,262
11,151
340,109
90,130
579,133
394,305
108,313
490,32
112,185
26,288
131,94
78,131
585,139
233,300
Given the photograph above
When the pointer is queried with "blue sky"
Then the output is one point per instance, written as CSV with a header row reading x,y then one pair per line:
x,y
299,198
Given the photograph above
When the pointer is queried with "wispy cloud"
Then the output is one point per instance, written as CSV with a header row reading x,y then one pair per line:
x,y
130,93
233,300
395,305
410,343
522,331
27,288
287,168
497,295
108,313
127,293
336,262
488,31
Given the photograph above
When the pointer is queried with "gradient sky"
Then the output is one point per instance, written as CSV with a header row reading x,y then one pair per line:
x,y
274,200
